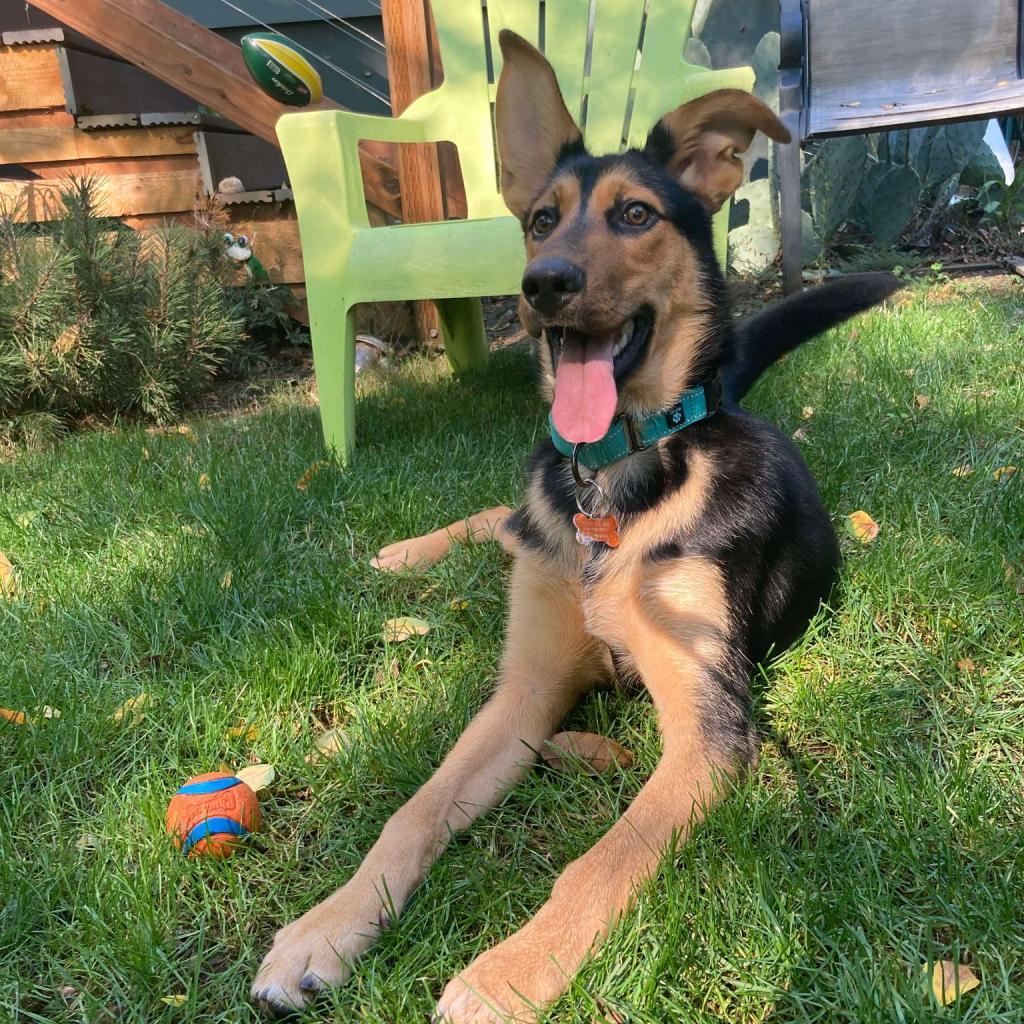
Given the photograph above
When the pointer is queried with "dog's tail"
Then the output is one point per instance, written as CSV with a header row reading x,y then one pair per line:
x,y
763,339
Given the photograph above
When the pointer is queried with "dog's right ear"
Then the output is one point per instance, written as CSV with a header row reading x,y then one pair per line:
x,y
532,124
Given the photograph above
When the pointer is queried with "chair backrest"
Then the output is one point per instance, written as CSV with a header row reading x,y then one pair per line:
x,y
619,68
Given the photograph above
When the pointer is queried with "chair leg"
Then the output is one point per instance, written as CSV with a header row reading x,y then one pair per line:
x,y
334,362
788,158
462,331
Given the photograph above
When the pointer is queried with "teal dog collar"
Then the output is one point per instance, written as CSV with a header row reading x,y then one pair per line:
x,y
628,436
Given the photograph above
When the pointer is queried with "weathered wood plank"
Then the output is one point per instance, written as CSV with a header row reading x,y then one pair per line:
x,y
155,192
52,144
30,78
202,65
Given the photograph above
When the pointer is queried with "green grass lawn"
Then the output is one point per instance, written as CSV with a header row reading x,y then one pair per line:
x,y
882,829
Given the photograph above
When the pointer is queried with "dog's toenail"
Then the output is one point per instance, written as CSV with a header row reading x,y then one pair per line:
x,y
310,983
385,920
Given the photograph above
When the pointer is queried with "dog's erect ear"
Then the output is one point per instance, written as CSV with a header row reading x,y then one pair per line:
x,y
532,124
698,141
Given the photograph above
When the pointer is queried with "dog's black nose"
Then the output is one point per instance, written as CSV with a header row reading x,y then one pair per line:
x,y
550,285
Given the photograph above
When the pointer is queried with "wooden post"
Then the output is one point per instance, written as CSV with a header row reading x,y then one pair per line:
x,y
406,38
204,66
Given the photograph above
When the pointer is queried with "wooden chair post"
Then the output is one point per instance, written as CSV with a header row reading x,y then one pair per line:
x,y
410,75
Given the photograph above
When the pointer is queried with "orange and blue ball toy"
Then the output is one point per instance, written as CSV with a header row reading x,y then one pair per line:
x,y
211,814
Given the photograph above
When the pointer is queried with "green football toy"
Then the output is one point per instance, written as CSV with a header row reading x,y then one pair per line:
x,y
280,70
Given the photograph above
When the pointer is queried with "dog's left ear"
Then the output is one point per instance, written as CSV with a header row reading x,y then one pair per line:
x,y
698,141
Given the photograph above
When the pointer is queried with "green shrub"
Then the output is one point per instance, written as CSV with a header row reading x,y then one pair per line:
x,y
99,320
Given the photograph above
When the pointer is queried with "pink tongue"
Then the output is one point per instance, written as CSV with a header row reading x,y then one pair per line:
x,y
585,393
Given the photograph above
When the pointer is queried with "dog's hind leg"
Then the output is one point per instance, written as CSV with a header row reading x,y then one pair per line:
x,y
549,662
675,631
420,552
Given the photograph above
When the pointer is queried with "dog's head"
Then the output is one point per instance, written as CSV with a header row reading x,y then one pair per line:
x,y
621,278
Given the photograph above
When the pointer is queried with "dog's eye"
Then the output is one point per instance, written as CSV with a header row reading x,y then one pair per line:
x,y
636,215
543,222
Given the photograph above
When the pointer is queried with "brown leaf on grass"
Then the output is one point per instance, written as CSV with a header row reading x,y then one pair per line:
x,y
14,717
963,471
459,604
204,481
304,481
586,750
226,580
329,744
88,841
247,732
799,434
865,529
807,412
966,666
922,401
182,429
257,776
950,980
8,580
132,711
397,630
1004,473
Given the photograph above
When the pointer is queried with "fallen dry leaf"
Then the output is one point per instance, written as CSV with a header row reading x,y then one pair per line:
x,y
257,776
14,717
182,429
807,412
204,481
397,630
145,454
304,481
68,993
329,744
246,731
175,999
8,581
966,666
49,712
133,710
800,434
921,401
88,841
1004,473
963,471
595,754
865,529
950,980
226,580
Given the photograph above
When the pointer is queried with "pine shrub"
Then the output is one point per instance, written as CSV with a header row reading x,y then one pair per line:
x,y
98,320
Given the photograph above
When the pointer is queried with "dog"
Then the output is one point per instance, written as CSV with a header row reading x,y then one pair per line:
x,y
668,537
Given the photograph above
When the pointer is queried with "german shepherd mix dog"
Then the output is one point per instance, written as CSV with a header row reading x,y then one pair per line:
x,y
667,536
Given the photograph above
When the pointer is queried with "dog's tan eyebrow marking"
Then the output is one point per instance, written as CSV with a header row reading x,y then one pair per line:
x,y
613,189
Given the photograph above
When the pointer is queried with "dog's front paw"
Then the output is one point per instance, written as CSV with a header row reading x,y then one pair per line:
x,y
503,985
317,951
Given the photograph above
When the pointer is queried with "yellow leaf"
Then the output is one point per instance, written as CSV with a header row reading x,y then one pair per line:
x,y
132,711
204,481
14,717
865,529
921,401
329,744
304,481
225,768
460,604
145,454
226,580
950,980
88,841
397,630
176,999
49,712
963,471
181,429
585,750
807,412
243,729
1004,473
8,581
257,776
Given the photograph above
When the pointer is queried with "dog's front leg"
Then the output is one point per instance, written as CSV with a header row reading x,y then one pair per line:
x,y
548,662
678,639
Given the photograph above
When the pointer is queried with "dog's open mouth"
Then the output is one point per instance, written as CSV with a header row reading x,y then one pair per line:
x,y
588,368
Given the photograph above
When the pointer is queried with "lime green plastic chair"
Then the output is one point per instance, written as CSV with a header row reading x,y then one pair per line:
x,y
456,262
